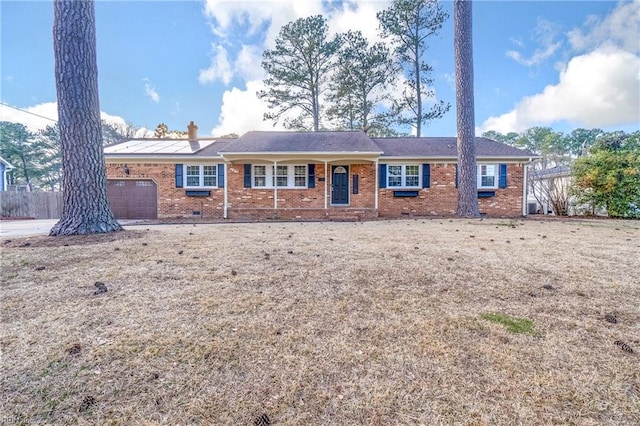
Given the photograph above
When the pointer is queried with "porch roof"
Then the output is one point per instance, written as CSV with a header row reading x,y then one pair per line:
x,y
348,142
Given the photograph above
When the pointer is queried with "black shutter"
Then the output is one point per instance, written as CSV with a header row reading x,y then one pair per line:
x,y
383,176
355,184
426,175
179,183
503,175
311,178
247,175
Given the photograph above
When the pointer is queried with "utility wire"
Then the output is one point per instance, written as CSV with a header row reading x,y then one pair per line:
x,y
29,112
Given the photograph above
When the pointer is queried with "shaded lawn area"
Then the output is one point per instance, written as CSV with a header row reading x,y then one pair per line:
x,y
434,321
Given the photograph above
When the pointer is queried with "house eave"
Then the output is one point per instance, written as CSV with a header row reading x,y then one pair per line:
x,y
168,158
454,159
308,155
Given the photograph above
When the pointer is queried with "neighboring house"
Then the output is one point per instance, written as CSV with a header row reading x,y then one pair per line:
x,y
5,166
549,191
306,176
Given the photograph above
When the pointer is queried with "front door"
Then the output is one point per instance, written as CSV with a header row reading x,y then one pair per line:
x,y
340,185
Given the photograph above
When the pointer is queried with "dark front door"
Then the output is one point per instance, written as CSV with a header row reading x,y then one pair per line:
x,y
339,185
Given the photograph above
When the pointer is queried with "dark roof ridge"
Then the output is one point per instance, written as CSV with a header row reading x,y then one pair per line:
x,y
305,131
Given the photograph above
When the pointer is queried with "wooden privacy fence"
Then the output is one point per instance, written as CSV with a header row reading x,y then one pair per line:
x,y
38,205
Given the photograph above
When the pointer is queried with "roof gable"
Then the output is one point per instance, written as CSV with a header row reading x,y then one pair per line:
x,y
6,163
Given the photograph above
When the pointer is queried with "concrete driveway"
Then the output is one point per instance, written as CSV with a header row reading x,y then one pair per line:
x,y
25,228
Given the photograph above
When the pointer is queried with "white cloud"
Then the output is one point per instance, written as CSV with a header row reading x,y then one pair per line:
x,y
150,91
354,15
276,13
40,116
230,19
598,89
242,111
248,64
359,16
545,35
236,22
220,68
34,118
620,28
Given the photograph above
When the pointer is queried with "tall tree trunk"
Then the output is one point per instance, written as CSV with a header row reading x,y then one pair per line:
x,y
467,177
418,86
25,171
86,208
316,114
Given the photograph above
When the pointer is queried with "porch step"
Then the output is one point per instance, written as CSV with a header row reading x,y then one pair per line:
x,y
351,215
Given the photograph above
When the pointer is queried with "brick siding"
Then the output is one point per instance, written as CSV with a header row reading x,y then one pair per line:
x,y
172,201
440,199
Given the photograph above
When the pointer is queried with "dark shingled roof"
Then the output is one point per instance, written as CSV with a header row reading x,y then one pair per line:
x,y
215,148
283,142
301,142
444,147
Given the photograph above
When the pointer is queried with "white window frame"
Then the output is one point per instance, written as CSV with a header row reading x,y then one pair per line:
x,y
201,175
270,177
482,173
403,176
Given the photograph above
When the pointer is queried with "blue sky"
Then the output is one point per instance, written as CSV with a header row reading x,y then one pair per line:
x,y
563,64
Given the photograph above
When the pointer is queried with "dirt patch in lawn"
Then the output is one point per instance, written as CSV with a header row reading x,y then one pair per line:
x,y
72,240
400,322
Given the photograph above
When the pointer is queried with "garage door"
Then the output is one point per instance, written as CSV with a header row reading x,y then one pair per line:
x,y
133,199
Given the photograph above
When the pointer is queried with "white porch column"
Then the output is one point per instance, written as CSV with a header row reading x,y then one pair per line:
x,y
325,185
525,187
275,185
375,194
226,192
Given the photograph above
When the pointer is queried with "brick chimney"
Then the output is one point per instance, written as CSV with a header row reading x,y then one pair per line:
x,y
192,131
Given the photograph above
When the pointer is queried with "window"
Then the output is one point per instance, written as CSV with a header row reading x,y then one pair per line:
x,y
282,176
487,175
209,175
259,175
300,176
201,176
403,176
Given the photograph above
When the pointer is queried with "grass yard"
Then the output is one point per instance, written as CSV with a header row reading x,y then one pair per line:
x,y
435,321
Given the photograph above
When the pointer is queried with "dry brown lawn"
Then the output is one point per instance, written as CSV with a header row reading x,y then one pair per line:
x,y
325,323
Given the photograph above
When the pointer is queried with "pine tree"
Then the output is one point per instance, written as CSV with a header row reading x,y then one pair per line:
x,y
463,51
85,206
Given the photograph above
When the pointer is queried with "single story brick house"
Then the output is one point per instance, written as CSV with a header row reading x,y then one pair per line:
x,y
307,175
